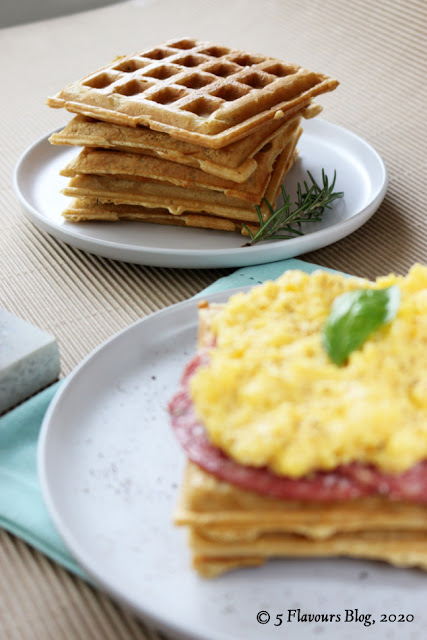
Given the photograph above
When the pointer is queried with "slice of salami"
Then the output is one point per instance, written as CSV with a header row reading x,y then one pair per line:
x,y
346,482
408,485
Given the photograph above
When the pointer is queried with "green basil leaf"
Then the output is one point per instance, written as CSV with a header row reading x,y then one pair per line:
x,y
354,316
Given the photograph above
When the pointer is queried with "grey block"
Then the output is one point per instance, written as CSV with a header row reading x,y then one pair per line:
x,y
29,360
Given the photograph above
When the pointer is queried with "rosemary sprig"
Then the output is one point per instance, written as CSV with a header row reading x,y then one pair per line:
x,y
284,224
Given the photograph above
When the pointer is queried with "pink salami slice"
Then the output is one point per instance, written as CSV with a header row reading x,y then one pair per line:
x,y
409,485
344,483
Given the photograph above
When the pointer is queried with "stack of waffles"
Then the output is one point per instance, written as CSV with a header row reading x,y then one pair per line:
x,y
187,133
230,527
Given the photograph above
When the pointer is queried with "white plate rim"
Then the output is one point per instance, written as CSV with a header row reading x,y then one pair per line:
x,y
206,258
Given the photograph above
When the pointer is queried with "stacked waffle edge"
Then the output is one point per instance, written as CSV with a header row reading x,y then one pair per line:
x,y
187,133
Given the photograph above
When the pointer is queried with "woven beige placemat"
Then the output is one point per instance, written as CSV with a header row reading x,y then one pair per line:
x,y
376,50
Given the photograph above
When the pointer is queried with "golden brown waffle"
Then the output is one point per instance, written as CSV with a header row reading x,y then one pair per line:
x,y
175,199
225,512
233,162
87,132
134,166
400,548
87,211
194,91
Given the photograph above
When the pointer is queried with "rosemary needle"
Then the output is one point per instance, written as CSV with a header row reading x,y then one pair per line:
x,y
283,224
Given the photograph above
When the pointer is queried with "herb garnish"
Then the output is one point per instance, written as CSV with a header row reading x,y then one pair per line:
x,y
354,316
283,223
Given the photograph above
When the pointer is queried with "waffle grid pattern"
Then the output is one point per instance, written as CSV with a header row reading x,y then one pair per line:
x,y
195,86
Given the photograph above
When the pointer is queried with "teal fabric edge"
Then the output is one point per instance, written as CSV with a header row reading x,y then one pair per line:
x,y
251,276
22,509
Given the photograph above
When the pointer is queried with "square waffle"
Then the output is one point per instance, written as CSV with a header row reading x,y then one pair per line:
x,y
230,527
398,547
107,189
83,210
233,162
135,166
195,91
176,200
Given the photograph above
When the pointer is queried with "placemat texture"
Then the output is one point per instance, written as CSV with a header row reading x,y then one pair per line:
x,y
376,50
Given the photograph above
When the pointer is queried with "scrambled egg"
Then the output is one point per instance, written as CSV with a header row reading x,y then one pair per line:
x,y
271,396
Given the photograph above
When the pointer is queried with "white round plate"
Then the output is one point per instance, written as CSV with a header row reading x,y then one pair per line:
x,y
110,469
361,174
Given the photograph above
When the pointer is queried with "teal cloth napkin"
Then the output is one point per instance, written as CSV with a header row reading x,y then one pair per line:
x,y
22,511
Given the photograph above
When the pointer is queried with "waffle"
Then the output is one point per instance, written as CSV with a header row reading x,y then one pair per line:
x,y
233,162
225,512
194,91
135,166
400,548
230,527
176,199
83,210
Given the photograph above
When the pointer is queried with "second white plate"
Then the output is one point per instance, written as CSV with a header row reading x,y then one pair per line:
x,y
110,469
361,174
